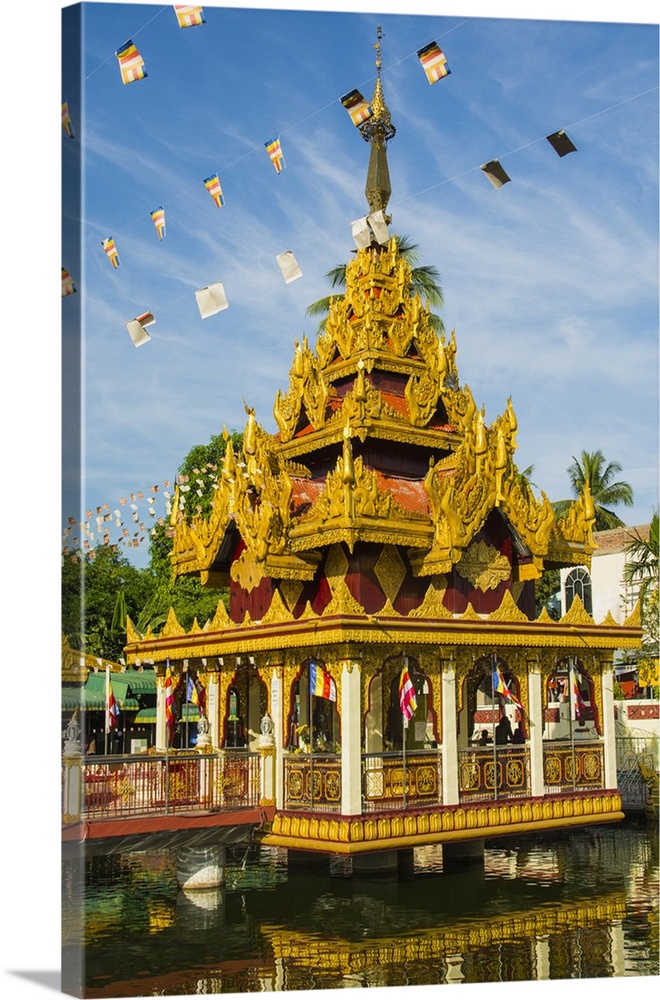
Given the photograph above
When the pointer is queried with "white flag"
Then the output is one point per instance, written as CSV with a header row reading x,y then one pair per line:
x,y
211,299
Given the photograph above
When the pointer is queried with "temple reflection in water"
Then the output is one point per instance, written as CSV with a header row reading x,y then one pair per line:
x,y
583,907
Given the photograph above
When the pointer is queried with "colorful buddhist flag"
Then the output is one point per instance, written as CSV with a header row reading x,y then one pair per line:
x,y
66,120
274,150
407,699
130,63
357,106
213,187
111,706
188,15
561,143
495,173
158,216
137,329
170,715
195,693
578,706
434,62
501,687
111,251
68,287
191,692
321,684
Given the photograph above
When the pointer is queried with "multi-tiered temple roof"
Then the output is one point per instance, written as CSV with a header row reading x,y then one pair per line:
x,y
385,489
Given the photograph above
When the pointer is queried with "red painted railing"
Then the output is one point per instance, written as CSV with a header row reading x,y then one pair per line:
x,y
130,786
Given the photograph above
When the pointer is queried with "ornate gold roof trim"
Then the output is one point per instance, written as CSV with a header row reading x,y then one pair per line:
x,y
350,626
172,627
634,620
508,611
577,614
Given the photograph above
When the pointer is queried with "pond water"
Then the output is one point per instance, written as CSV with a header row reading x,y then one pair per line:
x,y
550,907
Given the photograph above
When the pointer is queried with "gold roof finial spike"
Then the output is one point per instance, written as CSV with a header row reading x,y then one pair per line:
x,y
377,131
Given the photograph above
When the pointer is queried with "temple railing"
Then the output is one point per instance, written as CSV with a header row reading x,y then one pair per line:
x,y
568,766
394,781
312,781
130,786
493,772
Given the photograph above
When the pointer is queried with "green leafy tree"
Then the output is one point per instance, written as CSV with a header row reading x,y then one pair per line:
x,y
606,491
547,589
642,559
95,587
196,477
425,282
642,569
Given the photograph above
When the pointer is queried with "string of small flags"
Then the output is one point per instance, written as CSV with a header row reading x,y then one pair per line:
x,y
106,524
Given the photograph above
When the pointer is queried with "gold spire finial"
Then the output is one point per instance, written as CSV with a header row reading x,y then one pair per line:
x,y
377,130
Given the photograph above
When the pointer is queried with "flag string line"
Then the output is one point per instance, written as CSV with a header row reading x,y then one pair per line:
x,y
401,201
121,230
254,149
77,86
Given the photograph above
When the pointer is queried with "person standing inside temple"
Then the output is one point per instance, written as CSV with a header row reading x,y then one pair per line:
x,y
503,734
519,735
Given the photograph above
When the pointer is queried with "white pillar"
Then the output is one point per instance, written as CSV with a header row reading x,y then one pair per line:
x,y
72,761
449,745
161,721
351,739
277,709
266,749
609,733
213,708
535,731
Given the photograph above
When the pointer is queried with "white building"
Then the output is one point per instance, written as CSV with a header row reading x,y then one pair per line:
x,y
602,589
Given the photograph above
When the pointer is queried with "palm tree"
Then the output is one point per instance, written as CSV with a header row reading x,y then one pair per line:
x,y
642,559
425,282
606,492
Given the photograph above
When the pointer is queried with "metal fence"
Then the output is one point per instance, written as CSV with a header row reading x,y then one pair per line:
x,y
312,781
394,780
129,786
493,772
570,766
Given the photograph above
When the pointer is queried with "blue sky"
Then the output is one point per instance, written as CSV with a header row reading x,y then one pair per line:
x,y
551,282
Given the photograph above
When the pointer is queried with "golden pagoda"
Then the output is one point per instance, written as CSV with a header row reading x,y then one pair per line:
x,y
385,531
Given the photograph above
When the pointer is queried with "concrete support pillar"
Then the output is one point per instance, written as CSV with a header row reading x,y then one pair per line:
x,y
161,720
308,861
463,852
351,733
609,732
277,709
450,785
375,863
536,731
200,868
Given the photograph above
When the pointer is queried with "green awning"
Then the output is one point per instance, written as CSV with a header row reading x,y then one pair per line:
x,y
189,713
93,701
146,715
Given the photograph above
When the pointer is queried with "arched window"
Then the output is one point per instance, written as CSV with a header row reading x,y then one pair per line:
x,y
578,583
